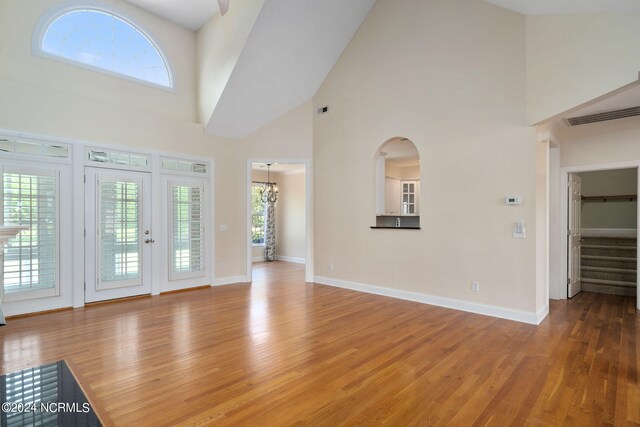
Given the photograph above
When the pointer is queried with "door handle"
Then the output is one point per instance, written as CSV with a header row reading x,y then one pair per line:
x,y
149,241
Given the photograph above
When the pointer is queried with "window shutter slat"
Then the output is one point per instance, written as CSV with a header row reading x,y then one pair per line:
x,y
30,258
187,242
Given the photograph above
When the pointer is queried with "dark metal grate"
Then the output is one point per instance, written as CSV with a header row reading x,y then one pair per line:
x,y
604,116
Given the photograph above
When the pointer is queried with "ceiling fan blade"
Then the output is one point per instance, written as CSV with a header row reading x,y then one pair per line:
x,y
224,6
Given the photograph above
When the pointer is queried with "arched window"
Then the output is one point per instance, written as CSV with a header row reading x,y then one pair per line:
x,y
100,39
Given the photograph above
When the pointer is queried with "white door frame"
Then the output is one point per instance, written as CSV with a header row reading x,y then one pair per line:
x,y
308,257
564,211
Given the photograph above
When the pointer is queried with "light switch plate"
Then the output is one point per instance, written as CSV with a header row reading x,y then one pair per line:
x,y
519,230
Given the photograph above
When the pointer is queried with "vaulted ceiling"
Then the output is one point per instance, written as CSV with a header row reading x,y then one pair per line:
x,y
191,14
293,45
291,48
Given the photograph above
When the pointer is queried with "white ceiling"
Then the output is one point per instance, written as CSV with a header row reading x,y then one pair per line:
x,y
191,14
544,7
292,47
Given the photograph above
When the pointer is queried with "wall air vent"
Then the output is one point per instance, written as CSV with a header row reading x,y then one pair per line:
x,y
604,116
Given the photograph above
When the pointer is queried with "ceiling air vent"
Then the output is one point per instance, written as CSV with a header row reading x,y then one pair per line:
x,y
604,116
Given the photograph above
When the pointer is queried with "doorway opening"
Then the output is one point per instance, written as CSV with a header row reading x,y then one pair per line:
x,y
602,222
278,216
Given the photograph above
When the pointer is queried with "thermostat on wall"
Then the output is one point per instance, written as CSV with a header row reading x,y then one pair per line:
x,y
512,200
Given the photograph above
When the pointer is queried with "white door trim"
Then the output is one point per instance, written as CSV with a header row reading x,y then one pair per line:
x,y
564,209
308,213
127,288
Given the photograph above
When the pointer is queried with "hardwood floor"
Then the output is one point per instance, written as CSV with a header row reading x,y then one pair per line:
x,y
282,352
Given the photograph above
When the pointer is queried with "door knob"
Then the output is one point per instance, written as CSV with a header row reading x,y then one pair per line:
x,y
149,241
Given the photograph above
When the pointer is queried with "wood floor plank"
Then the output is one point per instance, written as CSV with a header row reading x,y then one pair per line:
x,y
281,351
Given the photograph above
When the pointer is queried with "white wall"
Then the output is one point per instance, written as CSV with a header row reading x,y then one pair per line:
x,y
401,172
450,76
542,223
290,216
557,290
600,143
574,58
612,214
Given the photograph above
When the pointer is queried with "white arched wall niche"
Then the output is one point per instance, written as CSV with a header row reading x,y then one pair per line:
x,y
397,184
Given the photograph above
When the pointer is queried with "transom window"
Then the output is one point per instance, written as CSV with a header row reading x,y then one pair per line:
x,y
102,40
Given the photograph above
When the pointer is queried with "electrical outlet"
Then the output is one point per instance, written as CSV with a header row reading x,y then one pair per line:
x,y
330,266
475,286
221,267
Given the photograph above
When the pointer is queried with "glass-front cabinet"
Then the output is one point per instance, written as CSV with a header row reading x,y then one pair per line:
x,y
410,192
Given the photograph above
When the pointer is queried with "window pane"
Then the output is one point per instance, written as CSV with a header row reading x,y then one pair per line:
x,y
257,215
187,206
118,158
30,258
103,40
119,230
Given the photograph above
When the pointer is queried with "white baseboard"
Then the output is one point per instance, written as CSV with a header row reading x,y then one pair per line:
x,y
221,281
290,259
530,317
609,232
257,259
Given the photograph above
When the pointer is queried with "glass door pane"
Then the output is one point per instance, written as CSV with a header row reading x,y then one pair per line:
x,y
120,236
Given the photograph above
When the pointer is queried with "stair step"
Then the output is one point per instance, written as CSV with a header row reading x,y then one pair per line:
x,y
612,258
609,269
608,262
609,272
608,247
610,251
610,283
610,290
605,240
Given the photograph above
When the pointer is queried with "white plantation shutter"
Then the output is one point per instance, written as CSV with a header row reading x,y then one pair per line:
x,y
119,231
186,227
33,385
30,199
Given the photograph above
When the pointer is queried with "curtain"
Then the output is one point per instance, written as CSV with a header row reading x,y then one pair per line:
x,y
270,233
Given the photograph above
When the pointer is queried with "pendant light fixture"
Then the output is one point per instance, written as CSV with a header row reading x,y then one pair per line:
x,y
269,193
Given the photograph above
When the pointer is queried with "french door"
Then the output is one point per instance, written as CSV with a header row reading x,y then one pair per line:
x,y
118,234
